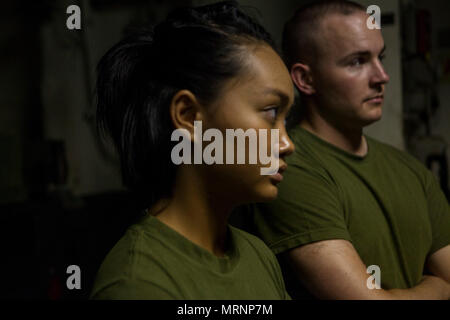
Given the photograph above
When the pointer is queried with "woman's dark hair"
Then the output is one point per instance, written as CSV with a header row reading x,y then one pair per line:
x,y
197,49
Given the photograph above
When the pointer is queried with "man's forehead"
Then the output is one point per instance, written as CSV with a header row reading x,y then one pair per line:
x,y
348,33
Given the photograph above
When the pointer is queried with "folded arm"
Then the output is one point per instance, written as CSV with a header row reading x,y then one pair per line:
x,y
438,264
332,269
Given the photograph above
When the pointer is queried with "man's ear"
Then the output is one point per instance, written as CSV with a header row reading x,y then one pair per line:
x,y
184,110
302,77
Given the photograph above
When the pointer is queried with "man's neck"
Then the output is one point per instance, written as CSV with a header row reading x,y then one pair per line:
x,y
349,140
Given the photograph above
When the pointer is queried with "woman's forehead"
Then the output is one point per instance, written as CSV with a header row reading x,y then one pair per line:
x,y
266,72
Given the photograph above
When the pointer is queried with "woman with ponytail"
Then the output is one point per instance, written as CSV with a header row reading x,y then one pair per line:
x,y
216,65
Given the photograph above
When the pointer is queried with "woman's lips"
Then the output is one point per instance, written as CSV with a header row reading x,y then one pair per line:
x,y
277,177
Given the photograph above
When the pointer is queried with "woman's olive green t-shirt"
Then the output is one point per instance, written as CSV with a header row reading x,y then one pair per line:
x,y
153,261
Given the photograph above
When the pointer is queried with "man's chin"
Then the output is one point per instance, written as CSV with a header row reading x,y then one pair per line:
x,y
368,122
373,116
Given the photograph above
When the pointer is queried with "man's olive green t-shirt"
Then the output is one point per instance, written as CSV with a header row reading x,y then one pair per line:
x,y
153,261
386,203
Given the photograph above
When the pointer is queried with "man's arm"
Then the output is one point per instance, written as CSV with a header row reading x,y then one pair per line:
x,y
332,269
439,263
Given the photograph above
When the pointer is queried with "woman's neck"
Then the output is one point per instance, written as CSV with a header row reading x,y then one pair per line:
x,y
196,212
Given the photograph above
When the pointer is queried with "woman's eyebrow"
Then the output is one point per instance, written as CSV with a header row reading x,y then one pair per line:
x,y
276,92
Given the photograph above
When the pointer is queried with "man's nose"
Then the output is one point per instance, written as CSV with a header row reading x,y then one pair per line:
x,y
380,75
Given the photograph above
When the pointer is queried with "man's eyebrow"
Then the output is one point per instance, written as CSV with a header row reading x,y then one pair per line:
x,y
362,53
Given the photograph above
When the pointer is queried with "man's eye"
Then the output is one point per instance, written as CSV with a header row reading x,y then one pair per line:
x,y
381,57
356,62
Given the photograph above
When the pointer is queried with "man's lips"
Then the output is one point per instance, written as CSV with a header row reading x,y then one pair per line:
x,y
375,99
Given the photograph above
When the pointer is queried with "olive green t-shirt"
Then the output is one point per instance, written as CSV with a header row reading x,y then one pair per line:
x,y
153,261
386,203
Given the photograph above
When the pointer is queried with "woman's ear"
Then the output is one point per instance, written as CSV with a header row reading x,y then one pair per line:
x,y
302,77
184,110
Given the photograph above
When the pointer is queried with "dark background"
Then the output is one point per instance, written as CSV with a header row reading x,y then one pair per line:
x,y
61,198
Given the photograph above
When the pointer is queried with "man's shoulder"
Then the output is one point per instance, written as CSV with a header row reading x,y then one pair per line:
x,y
396,155
311,161
307,156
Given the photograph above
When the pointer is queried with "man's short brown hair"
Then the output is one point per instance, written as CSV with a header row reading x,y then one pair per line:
x,y
300,32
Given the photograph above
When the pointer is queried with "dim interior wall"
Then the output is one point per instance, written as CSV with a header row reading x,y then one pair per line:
x,y
66,99
12,109
440,121
68,84
16,98
273,15
390,128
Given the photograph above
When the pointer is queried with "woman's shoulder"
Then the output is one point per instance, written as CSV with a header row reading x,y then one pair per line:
x,y
121,257
246,239
134,259
258,256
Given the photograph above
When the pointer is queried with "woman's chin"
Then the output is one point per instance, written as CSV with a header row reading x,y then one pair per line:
x,y
268,193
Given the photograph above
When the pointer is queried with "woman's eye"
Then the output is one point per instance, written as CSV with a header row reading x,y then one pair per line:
x,y
271,113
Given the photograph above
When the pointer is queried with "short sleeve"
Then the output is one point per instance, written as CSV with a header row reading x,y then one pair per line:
x,y
285,294
131,289
279,277
439,211
308,209
266,258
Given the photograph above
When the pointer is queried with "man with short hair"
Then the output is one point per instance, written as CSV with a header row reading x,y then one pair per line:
x,y
347,201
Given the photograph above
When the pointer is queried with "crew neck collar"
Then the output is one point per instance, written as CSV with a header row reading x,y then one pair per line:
x,y
298,131
192,251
